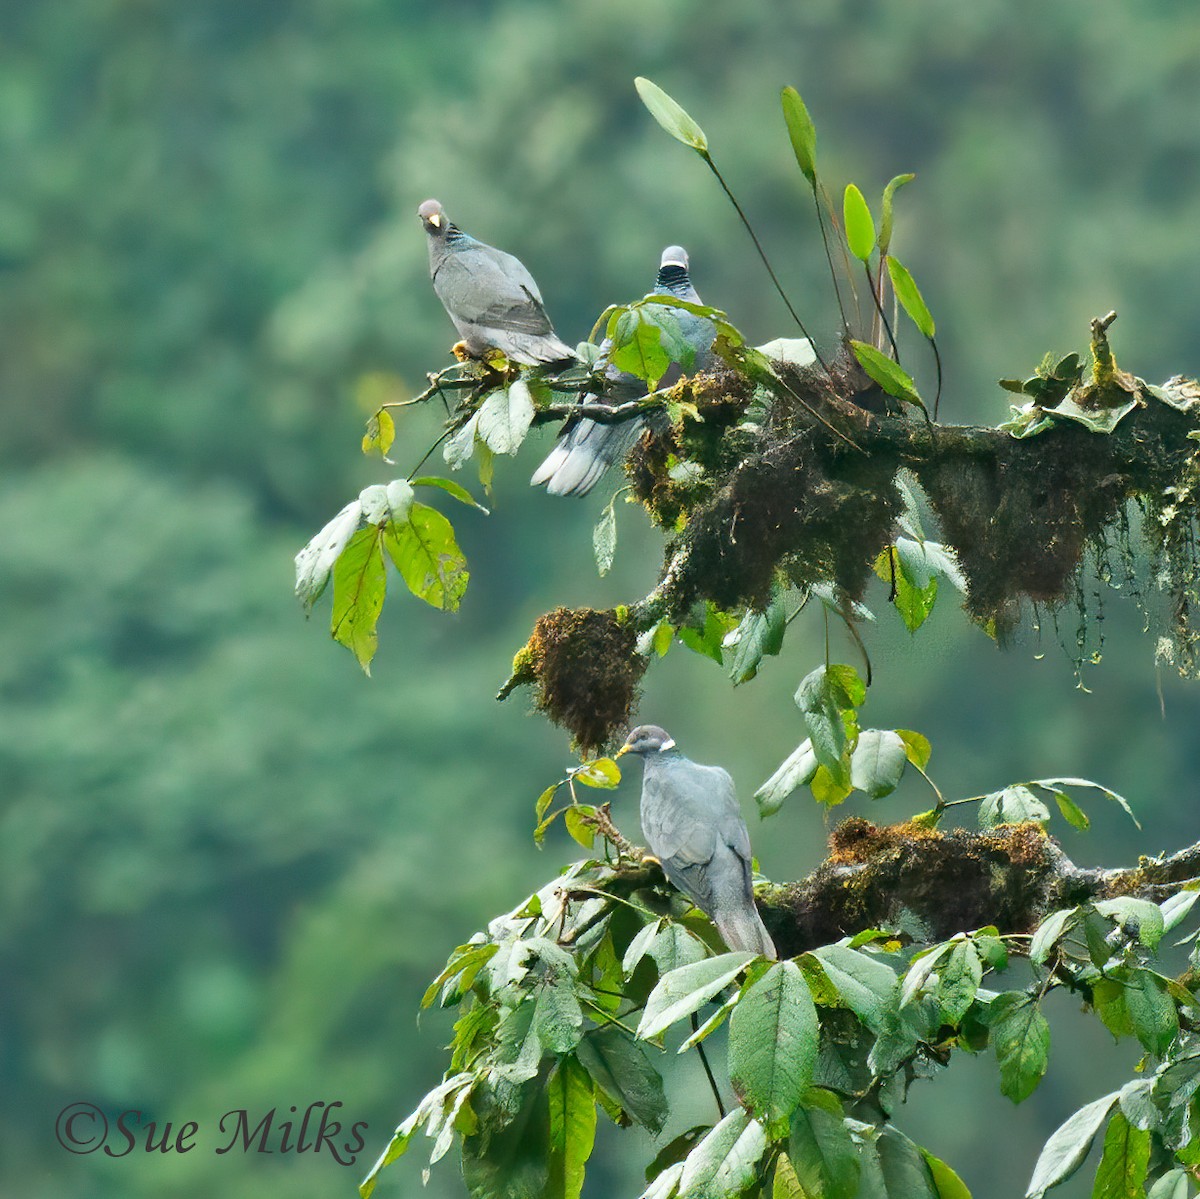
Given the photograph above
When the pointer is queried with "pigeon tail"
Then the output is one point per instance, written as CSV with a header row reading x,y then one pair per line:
x,y
745,932
584,454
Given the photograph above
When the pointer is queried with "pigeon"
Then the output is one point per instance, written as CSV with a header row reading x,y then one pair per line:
x,y
692,824
585,448
489,295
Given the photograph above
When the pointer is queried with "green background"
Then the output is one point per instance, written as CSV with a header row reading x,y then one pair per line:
x,y
228,861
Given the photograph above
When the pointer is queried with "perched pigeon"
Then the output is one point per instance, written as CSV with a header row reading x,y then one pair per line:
x,y
586,449
490,296
692,824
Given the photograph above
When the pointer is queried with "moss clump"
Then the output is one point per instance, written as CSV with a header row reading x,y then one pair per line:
x,y
585,668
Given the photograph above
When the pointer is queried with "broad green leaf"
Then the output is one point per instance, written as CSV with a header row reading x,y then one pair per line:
x,y
916,746
465,957
802,133
1172,1185
758,635
671,116
860,228
1124,1161
1013,805
359,584
1021,1038
1137,1104
773,1036
1072,813
725,1162
920,969
508,1158
673,947
888,373
604,540
578,827
637,347
685,990
1151,1011
381,432
1060,784
910,297
557,1016
1108,999
1066,1149
867,986
885,219
823,1156
1176,907
619,1067
1140,917
504,418
705,1030
947,1184
424,551
797,769
905,1172
822,697
599,772
958,981
572,1126
828,790
784,1183
450,487
545,800
1049,932
709,639
664,1185
315,561
877,762
459,447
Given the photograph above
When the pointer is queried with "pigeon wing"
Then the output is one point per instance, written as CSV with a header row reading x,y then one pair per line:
x,y
492,289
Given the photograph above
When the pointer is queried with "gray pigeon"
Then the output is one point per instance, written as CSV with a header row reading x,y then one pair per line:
x,y
585,448
692,824
490,296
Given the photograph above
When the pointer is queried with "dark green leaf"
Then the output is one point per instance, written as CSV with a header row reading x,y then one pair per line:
x,y
885,220
686,989
1049,933
958,981
1021,1038
604,539
887,373
759,635
508,1158
557,1017
1137,1104
1066,1149
802,132
1124,1162
1013,805
910,297
671,116
1151,1010
1139,917
619,1067
860,228
865,985
450,487
359,584
904,1170
773,1035
425,553
823,1157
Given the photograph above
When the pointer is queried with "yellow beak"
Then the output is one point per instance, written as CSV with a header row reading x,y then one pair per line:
x,y
623,750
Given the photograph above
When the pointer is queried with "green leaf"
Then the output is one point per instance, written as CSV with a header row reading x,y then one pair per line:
x,y
823,1157
797,769
947,1184
359,584
604,539
910,297
1071,811
865,985
599,772
557,1016
1151,1011
1138,916
465,959
1107,792
725,1163
685,990
315,561
1013,805
1049,932
381,432
920,969
460,445
577,826
1066,1149
916,746
887,373
1021,1038
877,762
425,553
508,1157
860,228
504,418
1137,1104
674,946
709,639
758,635
450,487
784,1183
637,347
885,220
665,1185
671,116
802,133
828,790
1124,1161
903,1166
572,1126
773,1036
619,1067
1172,1185
544,801
958,981
1175,908
822,697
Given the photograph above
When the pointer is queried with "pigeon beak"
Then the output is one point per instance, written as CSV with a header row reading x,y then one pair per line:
x,y
436,220
623,750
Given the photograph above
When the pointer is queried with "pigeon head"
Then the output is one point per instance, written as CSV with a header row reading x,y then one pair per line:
x,y
674,256
433,217
673,270
647,739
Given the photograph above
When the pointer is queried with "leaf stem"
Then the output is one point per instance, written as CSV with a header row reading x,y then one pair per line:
x,y
712,1082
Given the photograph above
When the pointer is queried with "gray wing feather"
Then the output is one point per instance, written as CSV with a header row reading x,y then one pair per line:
x,y
488,287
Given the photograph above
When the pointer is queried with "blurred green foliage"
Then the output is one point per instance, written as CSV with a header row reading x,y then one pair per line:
x,y
228,862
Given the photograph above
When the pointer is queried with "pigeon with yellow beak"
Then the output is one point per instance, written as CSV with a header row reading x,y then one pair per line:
x,y
489,295
693,826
